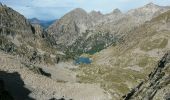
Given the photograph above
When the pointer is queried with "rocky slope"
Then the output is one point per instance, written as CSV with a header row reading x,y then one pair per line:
x,y
31,85
79,25
121,23
70,26
119,68
19,37
157,84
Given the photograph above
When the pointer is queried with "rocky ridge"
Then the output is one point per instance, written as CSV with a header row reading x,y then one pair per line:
x,y
78,24
157,84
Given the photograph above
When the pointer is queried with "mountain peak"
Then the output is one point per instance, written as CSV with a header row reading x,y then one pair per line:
x,y
116,11
34,18
95,12
78,10
151,4
34,21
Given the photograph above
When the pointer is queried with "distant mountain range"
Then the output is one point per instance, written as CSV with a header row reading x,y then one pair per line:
x,y
80,32
44,23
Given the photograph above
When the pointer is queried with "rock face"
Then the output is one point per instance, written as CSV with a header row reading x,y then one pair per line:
x,y
156,86
14,29
70,26
79,24
19,37
147,12
12,23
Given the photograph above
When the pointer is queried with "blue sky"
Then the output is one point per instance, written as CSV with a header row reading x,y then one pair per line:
x,y
54,9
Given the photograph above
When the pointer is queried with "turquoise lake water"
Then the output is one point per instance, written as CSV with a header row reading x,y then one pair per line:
x,y
83,60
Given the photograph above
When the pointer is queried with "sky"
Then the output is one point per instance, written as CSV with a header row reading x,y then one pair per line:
x,y
55,9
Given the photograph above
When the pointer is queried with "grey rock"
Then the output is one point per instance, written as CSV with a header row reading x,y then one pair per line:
x,y
157,80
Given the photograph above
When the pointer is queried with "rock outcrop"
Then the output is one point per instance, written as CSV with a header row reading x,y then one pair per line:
x,y
70,27
156,86
19,37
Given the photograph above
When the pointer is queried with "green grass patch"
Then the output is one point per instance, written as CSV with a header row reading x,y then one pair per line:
x,y
111,79
154,44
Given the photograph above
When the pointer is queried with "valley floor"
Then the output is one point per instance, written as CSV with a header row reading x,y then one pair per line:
x,y
45,88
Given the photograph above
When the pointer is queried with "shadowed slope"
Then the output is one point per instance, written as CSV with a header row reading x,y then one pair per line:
x,y
15,86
